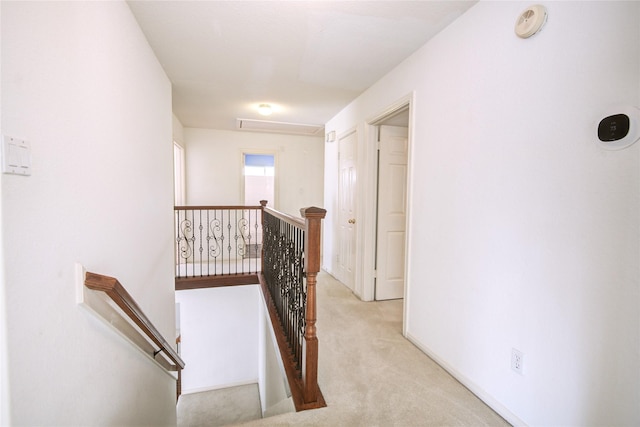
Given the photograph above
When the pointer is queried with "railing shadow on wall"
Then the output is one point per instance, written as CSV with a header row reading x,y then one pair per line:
x,y
232,245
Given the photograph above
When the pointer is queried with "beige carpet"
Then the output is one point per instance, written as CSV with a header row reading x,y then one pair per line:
x,y
223,407
370,375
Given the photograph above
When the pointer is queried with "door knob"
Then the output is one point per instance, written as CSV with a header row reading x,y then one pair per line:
x,y
352,221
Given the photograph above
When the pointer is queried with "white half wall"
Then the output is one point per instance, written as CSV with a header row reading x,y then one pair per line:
x,y
82,85
275,394
525,233
214,167
220,339
228,340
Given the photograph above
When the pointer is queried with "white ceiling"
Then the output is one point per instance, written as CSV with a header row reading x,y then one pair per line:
x,y
308,59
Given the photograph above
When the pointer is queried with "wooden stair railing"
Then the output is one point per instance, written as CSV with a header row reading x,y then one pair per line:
x,y
217,245
291,286
209,239
125,301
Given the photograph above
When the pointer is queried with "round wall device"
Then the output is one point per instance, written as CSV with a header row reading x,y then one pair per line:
x,y
530,21
619,128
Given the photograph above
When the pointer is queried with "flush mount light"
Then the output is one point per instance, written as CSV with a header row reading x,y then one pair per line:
x,y
264,109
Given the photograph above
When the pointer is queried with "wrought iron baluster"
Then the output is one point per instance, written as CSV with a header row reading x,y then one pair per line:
x,y
242,247
193,241
287,280
216,233
246,237
258,248
216,226
223,239
229,244
208,240
201,248
177,253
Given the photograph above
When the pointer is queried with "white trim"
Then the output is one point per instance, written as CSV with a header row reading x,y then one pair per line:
x,y
220,386
474,388
179,177
369,255
409,235
403,102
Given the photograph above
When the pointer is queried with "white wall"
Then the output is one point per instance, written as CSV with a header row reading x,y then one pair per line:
x,y
275,394
228,340
219,328
525,233
214,167
5,418
178,130
80,82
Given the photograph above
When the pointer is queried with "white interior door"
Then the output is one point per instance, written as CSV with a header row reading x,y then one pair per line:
x,y
392,207
347,208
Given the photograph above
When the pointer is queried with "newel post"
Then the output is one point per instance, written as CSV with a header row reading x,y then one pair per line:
x,y
313,223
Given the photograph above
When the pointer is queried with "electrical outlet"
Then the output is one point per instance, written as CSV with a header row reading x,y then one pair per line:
x,y
517,360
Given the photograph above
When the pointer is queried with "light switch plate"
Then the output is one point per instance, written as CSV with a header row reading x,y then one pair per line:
x,y
16,156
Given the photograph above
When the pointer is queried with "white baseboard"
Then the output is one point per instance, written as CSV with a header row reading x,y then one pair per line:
x,y
498,407
218,387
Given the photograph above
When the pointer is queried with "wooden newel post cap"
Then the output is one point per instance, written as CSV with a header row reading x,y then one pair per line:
x,y
263,203
313,212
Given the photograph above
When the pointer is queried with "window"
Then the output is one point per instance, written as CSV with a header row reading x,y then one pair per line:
x,y
259,178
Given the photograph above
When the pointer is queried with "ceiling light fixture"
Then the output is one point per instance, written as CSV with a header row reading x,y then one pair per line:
x,y
264,109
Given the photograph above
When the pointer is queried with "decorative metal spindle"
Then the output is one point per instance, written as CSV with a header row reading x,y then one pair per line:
x,y
222,242
201,241
229,244
193,240
235,236
215,227
177,248
257,244
177,254
207,245
248,249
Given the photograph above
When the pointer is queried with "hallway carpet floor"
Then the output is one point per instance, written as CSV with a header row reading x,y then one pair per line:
x,y
223,407
370,375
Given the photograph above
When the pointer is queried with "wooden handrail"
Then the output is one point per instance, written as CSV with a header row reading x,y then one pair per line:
x,y
230,207
289,219
121,297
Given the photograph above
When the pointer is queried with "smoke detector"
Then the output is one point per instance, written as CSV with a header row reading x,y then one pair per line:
x,y
530,21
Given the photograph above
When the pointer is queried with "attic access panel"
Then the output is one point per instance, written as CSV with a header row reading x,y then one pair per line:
x,y
279,127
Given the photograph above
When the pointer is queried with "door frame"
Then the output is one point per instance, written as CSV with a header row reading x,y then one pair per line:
x,y
371,190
